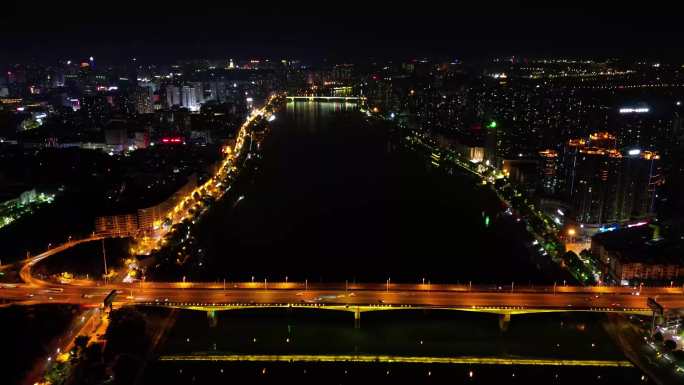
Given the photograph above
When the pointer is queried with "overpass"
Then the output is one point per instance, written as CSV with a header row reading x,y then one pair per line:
x,y
25,270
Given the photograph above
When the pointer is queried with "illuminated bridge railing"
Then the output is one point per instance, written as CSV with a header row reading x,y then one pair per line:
x,y
192,305
331,98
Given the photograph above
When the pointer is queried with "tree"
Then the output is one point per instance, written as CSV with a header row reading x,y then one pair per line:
x,y
57,373
670,345
126,332
125,369
81,342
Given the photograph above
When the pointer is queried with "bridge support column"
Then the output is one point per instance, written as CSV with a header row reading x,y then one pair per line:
x,y
504,321
357,319
211,317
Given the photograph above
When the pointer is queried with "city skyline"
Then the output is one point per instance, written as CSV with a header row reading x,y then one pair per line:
x,y
415,193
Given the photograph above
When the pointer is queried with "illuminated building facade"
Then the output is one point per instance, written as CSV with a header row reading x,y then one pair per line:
x,y
173,96
604,185
149,221
189,98
142,98
548,171
637,254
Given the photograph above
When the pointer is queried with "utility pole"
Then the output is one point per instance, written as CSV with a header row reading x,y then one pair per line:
x,y
104,259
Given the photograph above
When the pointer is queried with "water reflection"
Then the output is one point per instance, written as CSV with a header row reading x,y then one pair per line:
x,y
330,202
308,114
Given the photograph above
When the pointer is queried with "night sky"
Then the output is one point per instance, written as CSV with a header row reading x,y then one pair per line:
x,y
336,30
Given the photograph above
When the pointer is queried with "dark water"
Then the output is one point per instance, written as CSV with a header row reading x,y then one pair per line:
x,y
336,197
405,333
162,373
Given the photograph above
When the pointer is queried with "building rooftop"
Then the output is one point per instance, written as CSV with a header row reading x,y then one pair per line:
x,y
637,245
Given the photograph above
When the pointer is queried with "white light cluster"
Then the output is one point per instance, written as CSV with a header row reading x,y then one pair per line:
x,y
639,110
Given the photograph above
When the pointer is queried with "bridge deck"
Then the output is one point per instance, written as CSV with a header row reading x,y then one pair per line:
x,y
510,310
397,359
326,98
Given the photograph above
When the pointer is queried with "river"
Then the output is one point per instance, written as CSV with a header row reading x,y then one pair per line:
x,y
334,196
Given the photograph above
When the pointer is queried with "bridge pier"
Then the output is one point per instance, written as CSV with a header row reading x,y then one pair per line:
x,y
504,321
357,318
211,317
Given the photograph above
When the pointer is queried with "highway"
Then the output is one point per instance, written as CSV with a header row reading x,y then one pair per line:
x,y
172,293
342,293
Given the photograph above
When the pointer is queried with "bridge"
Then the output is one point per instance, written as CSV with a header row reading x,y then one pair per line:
x,y
344,296
362,358
328,98
504,312
366,298
356,298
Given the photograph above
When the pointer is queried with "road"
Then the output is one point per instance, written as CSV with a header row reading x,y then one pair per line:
x,y
422,294
399,296
26,265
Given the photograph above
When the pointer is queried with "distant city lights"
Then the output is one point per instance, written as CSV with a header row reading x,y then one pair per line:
x,y
172,140
634,152
640,110
604,229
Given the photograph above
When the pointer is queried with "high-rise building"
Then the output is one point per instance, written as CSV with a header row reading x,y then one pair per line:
x,y
96,110
142,98
605,185
173,96
593,184
548,171
639,178
342,72
639,126
199,93
189,98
